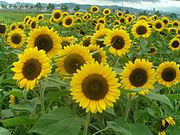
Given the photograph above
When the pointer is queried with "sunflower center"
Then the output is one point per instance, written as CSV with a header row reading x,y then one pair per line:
x,y
57,15
138,77
158,25
130,19
33,24
16,38
73,62
165,21
117,42
97,57
95,86
2,29
122,20
101,21
44,42
69,21
141,30
31,69
86,42
21,26
119,14
175,24
13,27
100,42
40,17
175,44
169,74
94,9
161,127
152,50
106,12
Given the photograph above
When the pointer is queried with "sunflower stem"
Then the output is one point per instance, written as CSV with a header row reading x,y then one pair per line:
x,y
86,124
128,108
42,89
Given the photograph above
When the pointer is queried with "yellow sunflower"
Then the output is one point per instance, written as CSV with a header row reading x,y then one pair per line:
x,y
31,67
95,87
129,19
67,41
21,25
98,37
119,42
33,24
143,17
122,19
13,26
16,38
106,11
94,9
26,19
174,44
65,14
98,53
77,14
40,17
138,75
158,25
178,31
165,20
120,13
117,22
45,39
101,20
175,23
164,123
72,58
68,21
168,73
57,15
3,29
86,41
99,26
141,29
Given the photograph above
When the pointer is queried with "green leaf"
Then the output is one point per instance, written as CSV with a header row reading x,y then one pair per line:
x,y
16,92
60,121
138,116
4,131
27,105
161,98
54,95
19,120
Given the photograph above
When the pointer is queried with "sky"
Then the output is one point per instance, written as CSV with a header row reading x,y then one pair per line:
x,y
140,4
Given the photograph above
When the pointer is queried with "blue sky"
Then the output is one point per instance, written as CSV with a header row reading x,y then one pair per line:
x,y
141,4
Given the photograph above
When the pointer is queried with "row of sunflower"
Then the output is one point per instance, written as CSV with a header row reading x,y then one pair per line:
x,y
103,56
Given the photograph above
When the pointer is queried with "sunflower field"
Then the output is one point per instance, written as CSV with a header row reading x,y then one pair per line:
x,y
90,73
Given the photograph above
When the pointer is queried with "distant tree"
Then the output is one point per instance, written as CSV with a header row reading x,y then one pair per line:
x,y
14,6
64,8
173,15
32,6
120,9
127,12
3,6
50,6
76,8
21,6
26,6
10,5
157,13
143,13
38,6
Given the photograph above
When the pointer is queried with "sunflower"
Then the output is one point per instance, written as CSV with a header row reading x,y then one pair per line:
x,y
117,22
164,123
168,73
101,20
122,19
86,41
26,19
175,23
129,19
95,87
65,14
138,75
67,41
119,42
33,24
77,14
174,44
21,25
31,67
94,9
99,26
141,29
3,29
98,37
143,17
165,20
106,11
45,39
98,53
16,38
72,58
120,13
13,26
158,25
172,30
40,17
178,31
78,20
12,99
68,21
57,15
